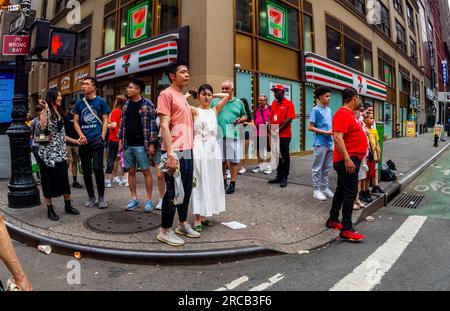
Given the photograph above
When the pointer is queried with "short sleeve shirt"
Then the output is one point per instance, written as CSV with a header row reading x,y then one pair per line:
x,y
232,111
282,112
90,125
116,116
355,138
321,118
173,104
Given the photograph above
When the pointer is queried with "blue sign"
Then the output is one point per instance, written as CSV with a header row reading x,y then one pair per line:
x,y
6,96
445,72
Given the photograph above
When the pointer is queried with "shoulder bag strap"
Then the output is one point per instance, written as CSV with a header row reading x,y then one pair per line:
x,y
92,111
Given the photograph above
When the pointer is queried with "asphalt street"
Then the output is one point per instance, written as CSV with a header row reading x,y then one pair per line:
x,y
405,249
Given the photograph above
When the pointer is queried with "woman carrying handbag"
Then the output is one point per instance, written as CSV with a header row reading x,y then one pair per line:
x,y
53,155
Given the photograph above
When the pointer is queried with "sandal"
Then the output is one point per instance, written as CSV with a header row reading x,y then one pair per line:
x,y
207,223
198,228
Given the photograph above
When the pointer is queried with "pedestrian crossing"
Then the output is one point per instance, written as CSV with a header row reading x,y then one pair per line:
x,y
258,288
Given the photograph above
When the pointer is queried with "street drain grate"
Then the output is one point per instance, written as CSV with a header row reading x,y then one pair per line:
x,y
123,222
408,201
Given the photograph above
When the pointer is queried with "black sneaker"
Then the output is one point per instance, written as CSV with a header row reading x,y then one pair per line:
x,y
231,189
377,189
275,181
284,183
366,197
77,185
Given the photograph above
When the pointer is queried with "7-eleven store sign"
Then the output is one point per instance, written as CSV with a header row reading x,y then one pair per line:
x,y
322,71
137,60
277,23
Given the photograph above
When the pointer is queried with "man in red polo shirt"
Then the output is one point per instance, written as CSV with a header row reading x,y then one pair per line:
x,y
283,112
351,147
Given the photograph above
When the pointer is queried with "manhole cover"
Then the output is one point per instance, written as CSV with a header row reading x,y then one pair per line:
x,y
408,201
123,222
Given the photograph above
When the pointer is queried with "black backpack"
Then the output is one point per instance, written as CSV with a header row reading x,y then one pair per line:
x,y
387,174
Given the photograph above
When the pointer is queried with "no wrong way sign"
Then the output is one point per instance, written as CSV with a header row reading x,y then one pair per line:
x,y
16,45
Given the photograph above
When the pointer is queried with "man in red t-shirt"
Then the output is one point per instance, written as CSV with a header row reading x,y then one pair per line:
x,y
283,112
351,147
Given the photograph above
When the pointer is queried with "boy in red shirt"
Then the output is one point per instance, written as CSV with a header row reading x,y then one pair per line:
x,y
283,112
351,147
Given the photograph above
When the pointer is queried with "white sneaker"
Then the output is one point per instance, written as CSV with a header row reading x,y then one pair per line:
x,y
318,195
187,230
257,170
124,183
159,206
242,171
170,238
117,180
228,174
268,172
108,183
328,193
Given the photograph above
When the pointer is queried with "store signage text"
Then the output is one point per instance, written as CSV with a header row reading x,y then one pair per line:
x,y
445,71
147,58
325,72
79,75
138,25
277,23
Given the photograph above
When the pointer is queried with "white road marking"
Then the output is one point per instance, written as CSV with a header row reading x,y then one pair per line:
x,y
272,281
367,275
234,284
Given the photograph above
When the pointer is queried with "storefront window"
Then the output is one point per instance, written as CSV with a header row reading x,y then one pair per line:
x,y
83,54
333,44
110,34
352,54
169,15
387,73
368,63
307,33
278,22
163,83
243,15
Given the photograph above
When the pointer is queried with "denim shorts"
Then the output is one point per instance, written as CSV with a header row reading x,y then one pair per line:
x,y
136,157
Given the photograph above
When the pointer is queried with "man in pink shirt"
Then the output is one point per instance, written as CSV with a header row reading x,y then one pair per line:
x,y
178,141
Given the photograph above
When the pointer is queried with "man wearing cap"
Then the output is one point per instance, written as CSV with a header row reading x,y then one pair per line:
x,y
283,112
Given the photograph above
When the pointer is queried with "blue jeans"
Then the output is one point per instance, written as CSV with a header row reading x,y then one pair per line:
x,y
136,157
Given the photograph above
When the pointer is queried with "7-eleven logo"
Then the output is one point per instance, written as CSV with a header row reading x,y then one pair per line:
x,y
139,22
276,22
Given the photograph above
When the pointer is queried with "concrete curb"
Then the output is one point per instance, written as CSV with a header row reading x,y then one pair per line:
x,y
396,187
134,255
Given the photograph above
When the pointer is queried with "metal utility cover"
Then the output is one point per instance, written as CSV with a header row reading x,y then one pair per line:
x,y
123,222
408,201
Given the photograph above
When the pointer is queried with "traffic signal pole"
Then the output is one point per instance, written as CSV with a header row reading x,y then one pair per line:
x,y
22,189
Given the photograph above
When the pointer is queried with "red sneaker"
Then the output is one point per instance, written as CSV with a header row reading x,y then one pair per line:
x,y
332,224
351,235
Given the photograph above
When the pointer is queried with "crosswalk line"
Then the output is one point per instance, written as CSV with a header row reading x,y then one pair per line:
x,y
272,281
370,273
234,284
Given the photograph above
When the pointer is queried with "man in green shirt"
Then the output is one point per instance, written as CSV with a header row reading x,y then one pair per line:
x,y
232,115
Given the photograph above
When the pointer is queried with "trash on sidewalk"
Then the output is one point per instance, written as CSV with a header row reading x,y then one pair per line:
x,y
46,249
370,219
234,225
11,286
77,255
303,252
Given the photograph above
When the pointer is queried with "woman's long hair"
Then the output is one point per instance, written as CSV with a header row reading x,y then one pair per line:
x,y
52,96
120,101
247,109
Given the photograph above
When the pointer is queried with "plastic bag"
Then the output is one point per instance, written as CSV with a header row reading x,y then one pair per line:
x,y
179,189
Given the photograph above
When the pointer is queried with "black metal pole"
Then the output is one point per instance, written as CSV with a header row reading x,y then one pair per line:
x,y
23,191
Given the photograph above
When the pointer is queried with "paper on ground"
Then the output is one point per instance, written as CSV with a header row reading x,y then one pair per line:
x,y
234,225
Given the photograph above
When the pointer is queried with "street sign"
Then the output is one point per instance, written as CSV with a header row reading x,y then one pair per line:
x,y
16,45
17,24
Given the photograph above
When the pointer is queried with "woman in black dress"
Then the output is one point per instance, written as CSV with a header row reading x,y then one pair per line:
x,y
53,155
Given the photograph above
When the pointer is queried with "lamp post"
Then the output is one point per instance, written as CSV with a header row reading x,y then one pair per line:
x,y
23,191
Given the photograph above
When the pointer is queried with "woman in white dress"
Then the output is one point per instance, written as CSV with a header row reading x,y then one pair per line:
x,y
208,194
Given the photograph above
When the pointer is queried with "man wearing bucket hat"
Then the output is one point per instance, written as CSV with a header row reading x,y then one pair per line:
x,y
283,112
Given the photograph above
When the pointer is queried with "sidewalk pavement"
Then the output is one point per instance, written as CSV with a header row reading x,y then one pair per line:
x,y
278,220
